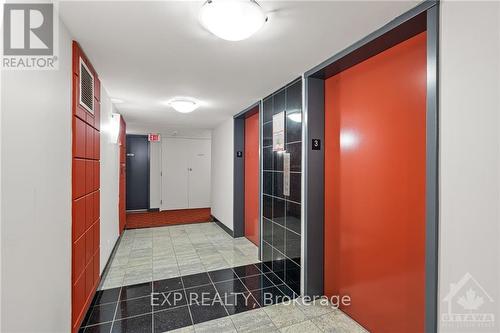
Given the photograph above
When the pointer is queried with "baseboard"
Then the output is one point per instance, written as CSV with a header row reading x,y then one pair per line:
x,y
110,259
223,226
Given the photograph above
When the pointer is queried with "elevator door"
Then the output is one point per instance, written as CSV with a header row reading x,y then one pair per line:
x,y
252,178
375,188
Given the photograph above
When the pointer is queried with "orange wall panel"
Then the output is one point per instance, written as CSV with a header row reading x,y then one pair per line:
x,y
89,143
85,181
89,176
375,188
97,145
79,221
89,245
78,257
122,216
252,178
78,178
96,174
79,134
89,279
89,210
96,206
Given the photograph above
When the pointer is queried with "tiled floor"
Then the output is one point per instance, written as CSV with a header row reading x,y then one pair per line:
x,y
145,255
160,279
212,302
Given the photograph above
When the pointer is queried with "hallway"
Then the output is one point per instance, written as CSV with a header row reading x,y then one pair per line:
x,y
250,166
152,254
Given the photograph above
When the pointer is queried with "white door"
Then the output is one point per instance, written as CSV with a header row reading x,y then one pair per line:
x,y
186,167
174,174
199,174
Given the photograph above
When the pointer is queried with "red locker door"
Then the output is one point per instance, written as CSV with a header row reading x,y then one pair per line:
x,y
252,178
375,188
122,215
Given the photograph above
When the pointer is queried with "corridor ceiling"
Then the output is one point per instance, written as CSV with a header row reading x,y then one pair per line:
x,y
149,52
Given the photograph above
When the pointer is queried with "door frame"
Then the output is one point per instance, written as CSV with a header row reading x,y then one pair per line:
x,y
239,171
149,171
423,17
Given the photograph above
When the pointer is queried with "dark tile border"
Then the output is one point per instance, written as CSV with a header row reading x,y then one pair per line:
x,y
141,317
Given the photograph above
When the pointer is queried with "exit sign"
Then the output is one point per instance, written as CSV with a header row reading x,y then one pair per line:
x,y
154,137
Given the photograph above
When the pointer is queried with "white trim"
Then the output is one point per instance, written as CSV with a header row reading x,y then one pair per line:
x,y
91,110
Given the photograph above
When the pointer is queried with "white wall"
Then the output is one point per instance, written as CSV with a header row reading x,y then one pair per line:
x,y
36,197
470,149
109,177
222,172
154,174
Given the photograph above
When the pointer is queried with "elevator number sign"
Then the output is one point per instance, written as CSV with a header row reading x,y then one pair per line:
x,y
154,137
316,144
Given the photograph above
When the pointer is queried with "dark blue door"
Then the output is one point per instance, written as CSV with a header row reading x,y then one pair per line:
x,y
137,172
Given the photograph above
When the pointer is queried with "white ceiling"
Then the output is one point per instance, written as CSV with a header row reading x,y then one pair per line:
x,y
148,52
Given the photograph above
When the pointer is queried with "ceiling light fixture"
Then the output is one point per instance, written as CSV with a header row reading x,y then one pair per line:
x,y
232,20
184,105
116,101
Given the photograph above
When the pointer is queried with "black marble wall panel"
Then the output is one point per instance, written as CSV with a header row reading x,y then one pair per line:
x,y
281,249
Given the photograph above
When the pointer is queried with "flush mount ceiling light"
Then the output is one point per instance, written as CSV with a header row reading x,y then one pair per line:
x,y
183,105
232,20
116,100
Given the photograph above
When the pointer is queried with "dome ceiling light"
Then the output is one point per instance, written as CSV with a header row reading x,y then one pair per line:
x,y
184,105
232,20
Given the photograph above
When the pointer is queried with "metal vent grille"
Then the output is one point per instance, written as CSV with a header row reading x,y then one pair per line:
x,y
86,87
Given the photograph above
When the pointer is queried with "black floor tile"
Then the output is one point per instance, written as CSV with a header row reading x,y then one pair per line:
x,y
223,275
287,291
263,267
171,319
101,314
274,279
200,294
230,287
140,324
295,287
240,303
102,328
268,296
195,280
136,290
106,296
134,307
168,300
257,282
247,270
202,313
167,285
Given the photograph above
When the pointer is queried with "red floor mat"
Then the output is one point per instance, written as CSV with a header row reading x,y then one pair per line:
x,y
167,217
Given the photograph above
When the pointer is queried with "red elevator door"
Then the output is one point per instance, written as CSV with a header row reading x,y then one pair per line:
x,y
375,188
252,178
